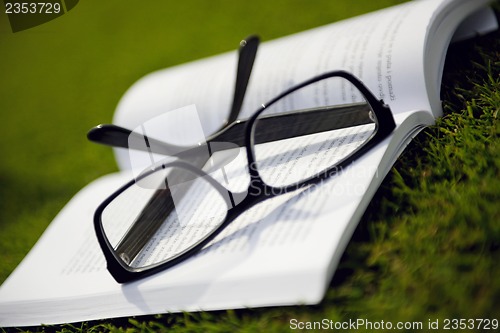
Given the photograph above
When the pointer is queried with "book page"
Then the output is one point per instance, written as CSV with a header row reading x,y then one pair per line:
x,y
385,49
271,250
397,52
470,18
281,252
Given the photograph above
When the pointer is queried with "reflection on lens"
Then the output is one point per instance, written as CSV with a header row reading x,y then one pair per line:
x,y
150,225
319,125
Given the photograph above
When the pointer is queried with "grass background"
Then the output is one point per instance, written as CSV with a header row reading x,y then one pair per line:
x,y
428,246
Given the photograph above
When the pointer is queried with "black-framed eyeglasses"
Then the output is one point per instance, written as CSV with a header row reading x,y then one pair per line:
x,y
302,137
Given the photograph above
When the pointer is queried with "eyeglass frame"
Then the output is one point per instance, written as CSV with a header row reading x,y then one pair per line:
x,y
258,190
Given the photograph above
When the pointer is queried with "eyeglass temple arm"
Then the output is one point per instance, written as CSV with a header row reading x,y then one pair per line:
x,y
118,137
151,218
297,123
145,226
246,57
279,127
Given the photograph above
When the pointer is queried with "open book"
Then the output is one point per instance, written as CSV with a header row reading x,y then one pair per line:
x,y
285,250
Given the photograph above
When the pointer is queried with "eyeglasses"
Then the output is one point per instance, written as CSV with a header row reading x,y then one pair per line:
x,y
300,138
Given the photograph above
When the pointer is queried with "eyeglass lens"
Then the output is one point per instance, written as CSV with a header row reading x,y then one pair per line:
x,y
161,216
335,120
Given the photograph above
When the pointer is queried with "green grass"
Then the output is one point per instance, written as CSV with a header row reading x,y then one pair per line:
x,y
428,246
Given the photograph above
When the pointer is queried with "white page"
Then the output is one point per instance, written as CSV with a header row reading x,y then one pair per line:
x,y
469,18
269,256
384,49
398,53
